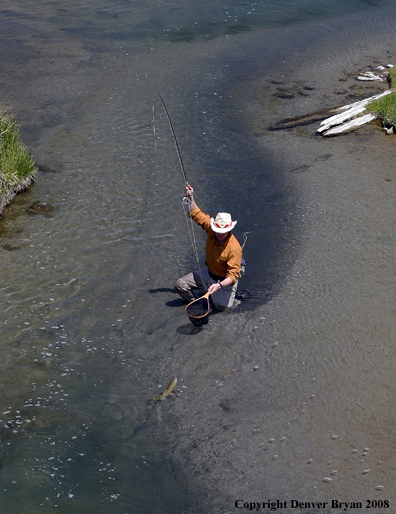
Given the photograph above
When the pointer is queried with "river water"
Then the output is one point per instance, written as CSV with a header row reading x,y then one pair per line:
x,y
290,396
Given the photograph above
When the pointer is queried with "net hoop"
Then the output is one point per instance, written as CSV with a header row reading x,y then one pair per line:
x,y
206,295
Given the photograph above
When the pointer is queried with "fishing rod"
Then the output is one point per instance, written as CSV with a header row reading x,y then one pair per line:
x,y
186,200
175,140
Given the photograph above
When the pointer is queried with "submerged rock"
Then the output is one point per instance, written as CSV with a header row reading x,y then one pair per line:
x,y
11,248
284,94
43,209
45,169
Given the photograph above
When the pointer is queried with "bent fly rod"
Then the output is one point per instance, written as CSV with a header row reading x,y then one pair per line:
x,y
175,140
186,200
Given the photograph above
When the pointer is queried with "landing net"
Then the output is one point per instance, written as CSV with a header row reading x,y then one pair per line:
x,y
198,308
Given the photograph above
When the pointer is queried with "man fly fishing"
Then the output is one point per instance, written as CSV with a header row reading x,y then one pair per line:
x,y
223,255
223,260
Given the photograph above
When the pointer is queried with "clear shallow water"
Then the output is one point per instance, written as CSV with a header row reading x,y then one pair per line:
x,y
91,329
176,21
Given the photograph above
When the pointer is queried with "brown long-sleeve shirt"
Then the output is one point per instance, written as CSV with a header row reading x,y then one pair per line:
x,y
222,259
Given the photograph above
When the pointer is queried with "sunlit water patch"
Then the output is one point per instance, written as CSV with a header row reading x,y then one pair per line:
x,y
176,21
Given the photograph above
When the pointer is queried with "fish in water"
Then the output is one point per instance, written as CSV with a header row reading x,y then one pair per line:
x,y
168,390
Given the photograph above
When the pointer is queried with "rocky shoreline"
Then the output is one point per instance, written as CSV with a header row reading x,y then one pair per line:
x,y
22,186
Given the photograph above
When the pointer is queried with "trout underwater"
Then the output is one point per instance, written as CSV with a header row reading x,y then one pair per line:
x,y
167,391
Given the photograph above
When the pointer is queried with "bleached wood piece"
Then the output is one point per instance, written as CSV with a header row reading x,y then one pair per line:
x,y
350,124
340,118
371,76
368,75
349,111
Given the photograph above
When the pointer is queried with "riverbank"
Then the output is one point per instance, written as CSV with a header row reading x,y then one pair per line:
x,y
17,168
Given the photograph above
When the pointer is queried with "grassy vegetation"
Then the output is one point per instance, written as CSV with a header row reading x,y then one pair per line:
x,y
385,108
16,163
392,77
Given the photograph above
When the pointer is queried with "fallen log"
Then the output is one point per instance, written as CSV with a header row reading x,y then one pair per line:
x,y
350,125
348,112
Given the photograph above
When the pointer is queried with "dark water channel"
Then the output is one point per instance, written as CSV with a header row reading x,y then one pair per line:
x,y
296,385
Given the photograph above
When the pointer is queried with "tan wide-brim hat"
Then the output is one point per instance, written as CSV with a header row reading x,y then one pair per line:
x,y
222,223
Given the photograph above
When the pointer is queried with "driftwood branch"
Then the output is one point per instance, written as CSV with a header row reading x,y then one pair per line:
x,y
361,120
347,113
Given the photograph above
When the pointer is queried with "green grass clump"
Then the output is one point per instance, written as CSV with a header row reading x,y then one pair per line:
x,y
392,77
16,163
385,108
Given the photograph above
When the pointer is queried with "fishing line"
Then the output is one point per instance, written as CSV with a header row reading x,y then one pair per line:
x,y
191,232
155,137
244,238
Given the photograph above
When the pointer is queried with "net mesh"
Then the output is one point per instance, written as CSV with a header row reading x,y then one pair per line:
x,y
198,308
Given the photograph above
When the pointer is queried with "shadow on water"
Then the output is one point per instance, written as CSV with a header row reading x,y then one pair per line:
x,y
162,290
188,329
178,302
244,296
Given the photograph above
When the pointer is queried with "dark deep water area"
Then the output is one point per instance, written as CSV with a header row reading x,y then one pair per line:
x,y
288,397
